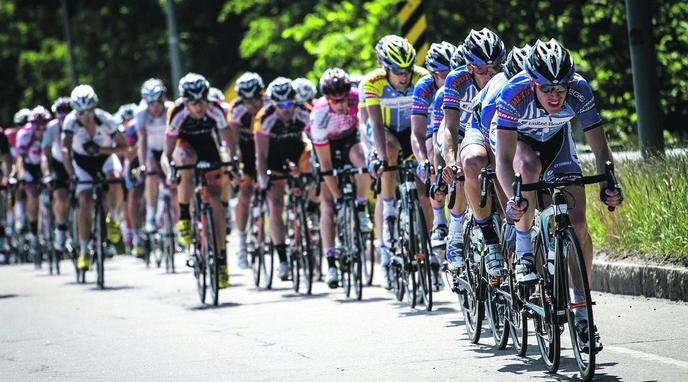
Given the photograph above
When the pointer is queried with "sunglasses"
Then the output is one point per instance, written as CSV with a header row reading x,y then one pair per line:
x,y
401,72
561,88
483,69
285,104
337,100
86,112
197,102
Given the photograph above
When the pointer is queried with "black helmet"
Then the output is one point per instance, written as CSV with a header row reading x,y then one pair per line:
x,y
483,47
549,63
334,82
516,60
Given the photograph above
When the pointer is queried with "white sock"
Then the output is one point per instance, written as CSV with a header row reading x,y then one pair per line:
x,y
388,207
438,217
150,213
456,225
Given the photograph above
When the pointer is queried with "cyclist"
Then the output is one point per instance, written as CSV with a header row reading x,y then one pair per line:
x,y
279,136
475,155
149,124
52,152
133,181
305,92
250,98
216,95
533,113
334,132
5,168
484,54
388,97
28,164
91,142
190,137
438,63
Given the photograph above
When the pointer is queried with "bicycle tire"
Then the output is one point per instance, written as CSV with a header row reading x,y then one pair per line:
x,y
408,273
577,274
515,314
306,255
424,249
356,256
100,235
496,315
295,247
369,258
546,328
473,309
210,253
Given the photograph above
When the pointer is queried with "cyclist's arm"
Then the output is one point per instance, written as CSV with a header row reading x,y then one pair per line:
x,y
375,115
20,166
67,138
600,148
262,149
143,144
227,136
451,124
419,126
120,148
506,141
325,159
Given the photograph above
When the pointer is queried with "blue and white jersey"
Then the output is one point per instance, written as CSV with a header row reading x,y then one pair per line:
x,y
486,101
460,89
437,111
423,96
519,110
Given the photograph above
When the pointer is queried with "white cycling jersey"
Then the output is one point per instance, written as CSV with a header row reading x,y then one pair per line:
x,y
52,137
154,126
106,129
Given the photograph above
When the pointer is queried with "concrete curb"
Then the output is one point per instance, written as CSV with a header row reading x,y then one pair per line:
x,y
640,280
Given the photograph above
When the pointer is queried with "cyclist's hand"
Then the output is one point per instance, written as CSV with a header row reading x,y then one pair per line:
x,y
611,197
513,211
449,174
420,170
294,170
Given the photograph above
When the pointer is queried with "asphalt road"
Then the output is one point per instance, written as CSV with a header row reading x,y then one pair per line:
x,y
148,325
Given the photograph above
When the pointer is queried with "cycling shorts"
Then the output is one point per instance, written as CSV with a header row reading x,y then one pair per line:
x,y
557,155
86,168
61,178
340,148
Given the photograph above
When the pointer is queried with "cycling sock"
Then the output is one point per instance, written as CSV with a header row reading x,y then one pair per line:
x,y
225,206
456,225
34,227
487,228
137,237
438,216
329,255
242,239
281,252
362,200
184,212
523,243
384,255
388,207
150,213
83,246
579,296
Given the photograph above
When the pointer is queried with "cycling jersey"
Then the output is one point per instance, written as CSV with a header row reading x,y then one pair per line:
x,y
241,119
29,145
395,105
518,109
423,97
485,105
286,138
325,125
437,111
11,135
153,126
104,136
459,91
52,138
199,134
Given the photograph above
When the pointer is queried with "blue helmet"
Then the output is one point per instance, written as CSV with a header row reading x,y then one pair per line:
x,y
516,60
550,63
438,58
483,47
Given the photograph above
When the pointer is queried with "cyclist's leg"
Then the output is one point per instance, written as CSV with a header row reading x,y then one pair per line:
x,y
183,155
31,189
440,226
388,190
226,194
526,162
152,187
85,195
60,201
327,232
362,187
216,182
241,212
114,200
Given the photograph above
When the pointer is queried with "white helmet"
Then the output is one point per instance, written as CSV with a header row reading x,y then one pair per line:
x,y
281,89
153,90
305,90
216,95
83,97
249,85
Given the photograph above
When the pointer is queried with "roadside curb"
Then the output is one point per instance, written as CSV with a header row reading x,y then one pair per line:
x,y
640,280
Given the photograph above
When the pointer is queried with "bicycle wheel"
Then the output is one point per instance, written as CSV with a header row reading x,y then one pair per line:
x,y
73,240
294,248
148,247
578,304
358,251
369,257
396,267
306,253
545,325
423,255
170,247
496,305
198,264
515,312
210,254
469,288
408,272
100,235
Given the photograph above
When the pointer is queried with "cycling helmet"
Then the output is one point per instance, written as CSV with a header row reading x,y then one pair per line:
x,y
61,106
194,87
305,90
483,47
249,85
458,59
40,115
22,117
83,97
126,112
334,82
439,57
516,60
216,95
549,63
153,90
396,53
281,89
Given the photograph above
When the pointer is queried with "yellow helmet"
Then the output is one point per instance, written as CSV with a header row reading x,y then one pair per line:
x,y
396,53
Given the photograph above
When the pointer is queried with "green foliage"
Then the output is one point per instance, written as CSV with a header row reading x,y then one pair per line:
x,y
651,220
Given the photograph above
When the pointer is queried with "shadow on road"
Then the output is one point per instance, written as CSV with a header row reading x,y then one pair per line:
x,y
113,288
363,300
213,307
11,295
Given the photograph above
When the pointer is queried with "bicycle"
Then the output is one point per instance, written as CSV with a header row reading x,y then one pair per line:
x,y
160,244
98,230
46,220
260,248
413,252
72,240
561,272
204,252
351,249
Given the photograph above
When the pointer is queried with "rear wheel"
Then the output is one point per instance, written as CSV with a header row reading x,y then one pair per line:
x,y
357,257
546,328
423,255
306,252
100,243
469,289
210,254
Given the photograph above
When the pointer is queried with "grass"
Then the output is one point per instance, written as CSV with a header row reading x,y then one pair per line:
x,y
652,222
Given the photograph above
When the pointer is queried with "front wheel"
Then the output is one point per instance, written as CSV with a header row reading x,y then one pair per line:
x,y
209,251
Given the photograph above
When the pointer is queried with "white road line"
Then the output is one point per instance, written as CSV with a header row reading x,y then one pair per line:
x,y
648,356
